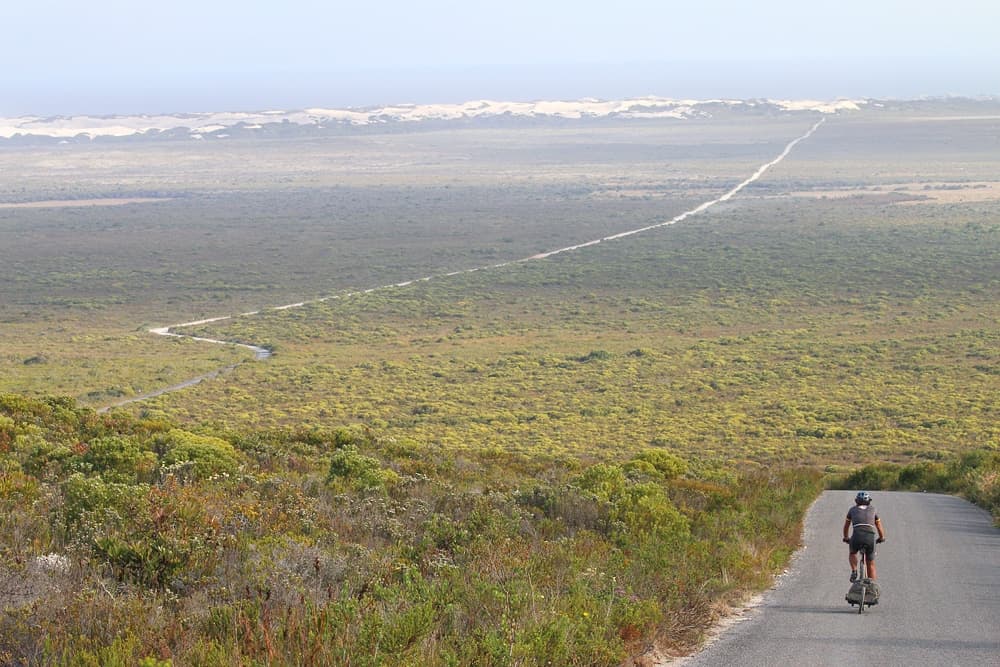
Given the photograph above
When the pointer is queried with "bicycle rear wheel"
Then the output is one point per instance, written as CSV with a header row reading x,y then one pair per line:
x,y
863,571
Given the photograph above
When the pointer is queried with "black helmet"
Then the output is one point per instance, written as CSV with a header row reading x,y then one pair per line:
x,y
863,498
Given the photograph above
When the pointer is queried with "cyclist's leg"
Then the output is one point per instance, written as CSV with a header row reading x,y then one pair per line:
x,y
852,558
852,555
870,553
867,543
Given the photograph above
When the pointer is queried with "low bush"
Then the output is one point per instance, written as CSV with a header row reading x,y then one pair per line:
x,y
974,475
207,454
351,469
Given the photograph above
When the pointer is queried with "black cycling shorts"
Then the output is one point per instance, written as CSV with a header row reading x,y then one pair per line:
x,y
862,540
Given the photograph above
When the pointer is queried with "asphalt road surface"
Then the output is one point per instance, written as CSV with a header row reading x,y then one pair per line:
x,y
939,574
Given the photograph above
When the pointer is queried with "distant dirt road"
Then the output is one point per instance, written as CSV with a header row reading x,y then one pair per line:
x,y
166,390
74,203
939,572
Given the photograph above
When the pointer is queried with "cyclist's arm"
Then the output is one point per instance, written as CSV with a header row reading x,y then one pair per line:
x,y
847,527
878,527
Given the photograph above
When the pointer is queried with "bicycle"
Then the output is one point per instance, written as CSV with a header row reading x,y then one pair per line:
x,y
869,592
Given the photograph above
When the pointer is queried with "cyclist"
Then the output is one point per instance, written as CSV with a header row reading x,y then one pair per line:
x,y
865,523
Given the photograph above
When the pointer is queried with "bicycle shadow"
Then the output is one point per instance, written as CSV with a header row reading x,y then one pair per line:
x,y
813,609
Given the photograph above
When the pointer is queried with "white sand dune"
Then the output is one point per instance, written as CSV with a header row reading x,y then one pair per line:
x,y
198,125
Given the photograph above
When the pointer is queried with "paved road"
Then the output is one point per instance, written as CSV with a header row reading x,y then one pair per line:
x,y
939,571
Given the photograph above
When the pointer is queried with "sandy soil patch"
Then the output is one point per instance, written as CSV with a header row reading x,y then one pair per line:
x,y
636,193
69,203
914,193
955,193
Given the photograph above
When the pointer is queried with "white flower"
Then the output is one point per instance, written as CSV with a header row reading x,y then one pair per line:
x,y
53,563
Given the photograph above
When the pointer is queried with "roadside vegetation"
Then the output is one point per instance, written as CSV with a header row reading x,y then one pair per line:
x,y
132,541
974,475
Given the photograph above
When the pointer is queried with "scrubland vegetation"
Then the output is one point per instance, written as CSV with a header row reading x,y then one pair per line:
x,y
131,539
558,461
753,336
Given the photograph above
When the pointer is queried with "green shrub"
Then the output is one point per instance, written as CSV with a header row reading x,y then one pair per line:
x,y
38,455
573,508
642,508
924,476
143,559
978,475
357,471
604,480
595,355
118,458
877,476
667,464
90,502
207,454
647,511
637,469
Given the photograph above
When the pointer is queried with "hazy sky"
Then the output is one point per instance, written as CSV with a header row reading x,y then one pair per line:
x,y
106,56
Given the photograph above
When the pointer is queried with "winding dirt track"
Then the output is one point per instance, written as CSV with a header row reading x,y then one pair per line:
x,y
261,353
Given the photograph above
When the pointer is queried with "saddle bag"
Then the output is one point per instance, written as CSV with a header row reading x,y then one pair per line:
x,y
871,592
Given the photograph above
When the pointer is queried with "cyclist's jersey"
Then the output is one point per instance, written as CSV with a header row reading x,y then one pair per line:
x,y
863,518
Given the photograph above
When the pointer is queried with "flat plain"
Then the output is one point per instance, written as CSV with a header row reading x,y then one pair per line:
x,y
846,299
256,223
